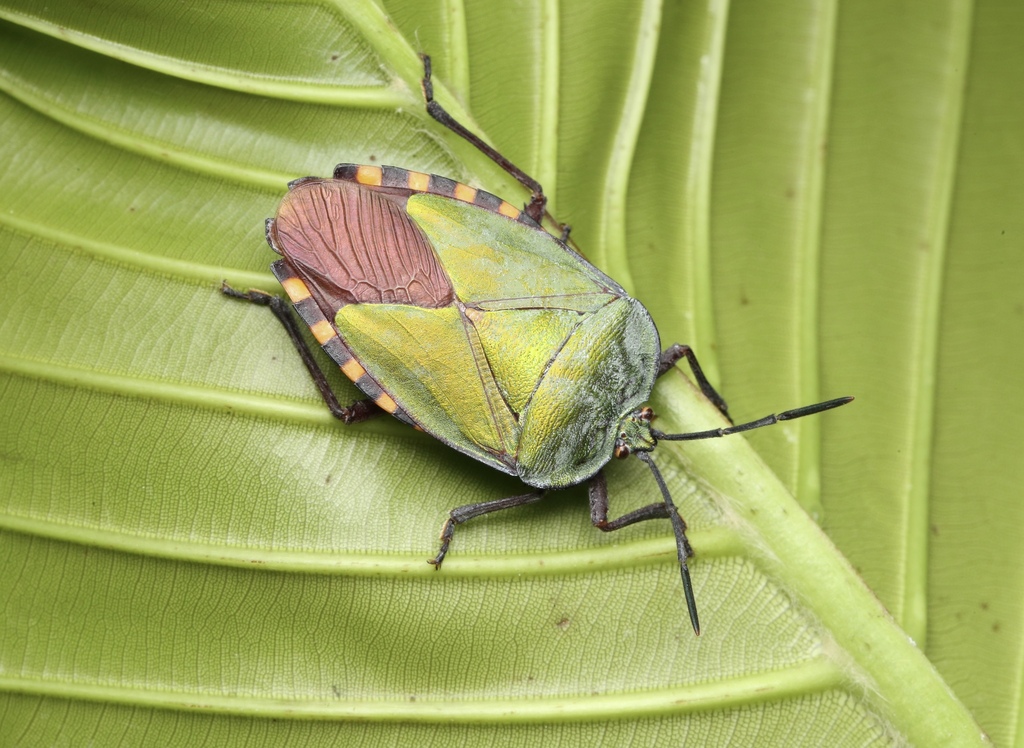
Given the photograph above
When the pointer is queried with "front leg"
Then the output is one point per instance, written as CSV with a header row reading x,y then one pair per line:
x,y
597,490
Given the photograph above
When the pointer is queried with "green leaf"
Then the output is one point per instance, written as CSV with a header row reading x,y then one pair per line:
x,y
822,199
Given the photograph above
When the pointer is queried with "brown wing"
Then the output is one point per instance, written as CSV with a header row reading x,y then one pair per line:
x,y
358,246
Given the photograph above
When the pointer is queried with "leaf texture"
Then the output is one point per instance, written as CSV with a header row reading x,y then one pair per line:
x,y
822,198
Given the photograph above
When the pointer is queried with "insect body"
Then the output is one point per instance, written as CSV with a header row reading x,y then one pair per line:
x,y
458,314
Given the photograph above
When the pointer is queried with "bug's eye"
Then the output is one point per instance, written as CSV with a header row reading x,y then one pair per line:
x,y
621,451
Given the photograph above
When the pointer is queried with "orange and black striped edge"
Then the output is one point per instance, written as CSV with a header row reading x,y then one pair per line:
x,y
327,336
418,181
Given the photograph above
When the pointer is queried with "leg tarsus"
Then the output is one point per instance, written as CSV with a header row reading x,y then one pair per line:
x,y
254,295
677,351
357,412
461,514
361,410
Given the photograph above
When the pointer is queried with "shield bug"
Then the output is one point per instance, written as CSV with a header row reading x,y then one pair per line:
x,y
458,314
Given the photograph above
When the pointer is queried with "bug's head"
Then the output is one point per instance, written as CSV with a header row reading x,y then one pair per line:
x,y
635,433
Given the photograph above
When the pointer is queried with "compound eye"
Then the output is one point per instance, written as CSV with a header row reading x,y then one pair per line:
x,y
646,413
621,451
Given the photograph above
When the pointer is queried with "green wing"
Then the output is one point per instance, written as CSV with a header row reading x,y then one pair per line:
x,y
497,263
466,371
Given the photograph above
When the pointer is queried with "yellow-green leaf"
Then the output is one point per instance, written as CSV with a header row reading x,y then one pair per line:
x,y
822,198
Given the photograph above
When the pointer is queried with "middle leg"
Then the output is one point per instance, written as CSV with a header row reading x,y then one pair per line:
x,y
464,513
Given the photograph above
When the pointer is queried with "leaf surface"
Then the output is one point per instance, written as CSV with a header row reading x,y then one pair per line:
x,y
822,198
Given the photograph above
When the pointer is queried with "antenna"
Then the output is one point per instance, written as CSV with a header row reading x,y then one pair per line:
x,y
683,549
787,415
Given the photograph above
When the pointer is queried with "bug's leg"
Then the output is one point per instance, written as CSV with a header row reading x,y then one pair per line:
x,y
535,208
676,351
463,513
598,491
360,410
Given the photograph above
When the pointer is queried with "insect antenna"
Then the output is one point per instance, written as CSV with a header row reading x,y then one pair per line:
x,y
787,415
683,549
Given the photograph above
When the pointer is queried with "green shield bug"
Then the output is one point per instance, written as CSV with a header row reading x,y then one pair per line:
x,y
458,314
